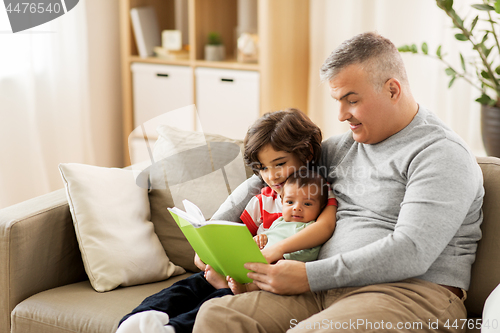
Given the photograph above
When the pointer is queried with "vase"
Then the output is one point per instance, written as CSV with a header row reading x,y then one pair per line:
x,y
214,52
490,129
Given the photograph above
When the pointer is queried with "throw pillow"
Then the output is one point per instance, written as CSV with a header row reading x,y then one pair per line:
x,y
111,217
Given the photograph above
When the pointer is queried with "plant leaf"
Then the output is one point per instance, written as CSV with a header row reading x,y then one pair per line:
x,y
425,48
438,51
450,71
461,37
485,37
485,74
445,4
448,4
497,70
404,48
462,61
451,81
413,48
488,51
474,22
485,100
483,7
457,18
497,6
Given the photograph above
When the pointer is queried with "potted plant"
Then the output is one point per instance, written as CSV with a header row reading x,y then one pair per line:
x,y
214,50
483,69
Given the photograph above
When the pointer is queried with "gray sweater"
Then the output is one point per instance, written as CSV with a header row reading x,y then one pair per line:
x,y
409,206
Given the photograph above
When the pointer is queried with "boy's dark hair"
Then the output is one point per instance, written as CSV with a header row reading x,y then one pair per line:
x,y
305,177
287,130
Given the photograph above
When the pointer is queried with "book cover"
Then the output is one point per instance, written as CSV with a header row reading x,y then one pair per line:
x,y
146,30
226,246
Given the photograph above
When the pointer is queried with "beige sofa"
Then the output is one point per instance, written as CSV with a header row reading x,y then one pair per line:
x,y
44,288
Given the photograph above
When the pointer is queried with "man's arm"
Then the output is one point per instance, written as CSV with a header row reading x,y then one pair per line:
x,y
443,183
434,207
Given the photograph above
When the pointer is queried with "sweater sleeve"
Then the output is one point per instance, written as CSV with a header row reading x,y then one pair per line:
x,y
443,182
233,206
332,201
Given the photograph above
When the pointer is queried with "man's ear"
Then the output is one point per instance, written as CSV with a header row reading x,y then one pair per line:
x,y
393,86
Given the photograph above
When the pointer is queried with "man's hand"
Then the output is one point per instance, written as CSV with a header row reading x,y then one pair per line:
x,y
200,264
261,240
286,277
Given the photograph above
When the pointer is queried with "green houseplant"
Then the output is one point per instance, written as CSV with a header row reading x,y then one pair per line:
x,y
482,70
214,49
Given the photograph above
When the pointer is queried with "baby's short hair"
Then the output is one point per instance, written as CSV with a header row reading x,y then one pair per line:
x,y
304,178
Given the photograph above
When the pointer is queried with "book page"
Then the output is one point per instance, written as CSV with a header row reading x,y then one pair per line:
x,y
186,218
193,210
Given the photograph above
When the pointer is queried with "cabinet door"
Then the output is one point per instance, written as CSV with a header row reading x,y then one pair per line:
x,y
227,100
159,89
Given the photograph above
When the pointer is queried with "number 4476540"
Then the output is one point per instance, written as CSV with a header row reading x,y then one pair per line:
x,y
471,324
31,7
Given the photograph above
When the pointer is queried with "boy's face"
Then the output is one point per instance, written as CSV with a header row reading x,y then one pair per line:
x,y
301,204
276,166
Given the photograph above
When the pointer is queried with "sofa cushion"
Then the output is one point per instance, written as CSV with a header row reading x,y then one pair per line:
x,y
79,308
486,269
185,167
111,219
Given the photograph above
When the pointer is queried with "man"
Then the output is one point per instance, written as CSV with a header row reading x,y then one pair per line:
x,y
410,195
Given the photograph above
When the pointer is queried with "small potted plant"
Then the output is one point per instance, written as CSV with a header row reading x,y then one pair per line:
x,y
482,70
214,50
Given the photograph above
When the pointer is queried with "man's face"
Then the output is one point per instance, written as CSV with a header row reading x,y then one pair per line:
x,y
368,111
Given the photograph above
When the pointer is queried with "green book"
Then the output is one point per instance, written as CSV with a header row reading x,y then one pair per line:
x,y
226,246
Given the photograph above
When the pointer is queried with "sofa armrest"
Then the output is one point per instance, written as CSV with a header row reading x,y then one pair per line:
x,y
38,250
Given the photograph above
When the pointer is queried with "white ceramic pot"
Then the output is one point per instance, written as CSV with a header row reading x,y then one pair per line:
x,y
215,52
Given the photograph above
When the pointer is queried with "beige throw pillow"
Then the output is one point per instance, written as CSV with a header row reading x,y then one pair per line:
x,y
111,217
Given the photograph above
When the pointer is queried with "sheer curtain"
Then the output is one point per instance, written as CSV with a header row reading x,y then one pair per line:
x,y
52,98
403,22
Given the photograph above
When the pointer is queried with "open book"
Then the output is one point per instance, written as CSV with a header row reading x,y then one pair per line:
x,y
226,246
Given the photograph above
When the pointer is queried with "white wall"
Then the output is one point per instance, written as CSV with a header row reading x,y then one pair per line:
x,y
403,22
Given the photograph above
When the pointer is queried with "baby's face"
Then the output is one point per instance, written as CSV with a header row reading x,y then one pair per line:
x,y
301,204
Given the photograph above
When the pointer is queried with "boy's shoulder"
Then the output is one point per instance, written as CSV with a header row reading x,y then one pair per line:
x,y
268,192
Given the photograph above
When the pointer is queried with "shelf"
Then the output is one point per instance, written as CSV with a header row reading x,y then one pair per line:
x,y
229,64
281,25
154,60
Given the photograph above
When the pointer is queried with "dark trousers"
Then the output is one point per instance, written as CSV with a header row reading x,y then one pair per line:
x,y
181,301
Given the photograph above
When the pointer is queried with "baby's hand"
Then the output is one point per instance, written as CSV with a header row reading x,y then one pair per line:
x,y
273,253
261,240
